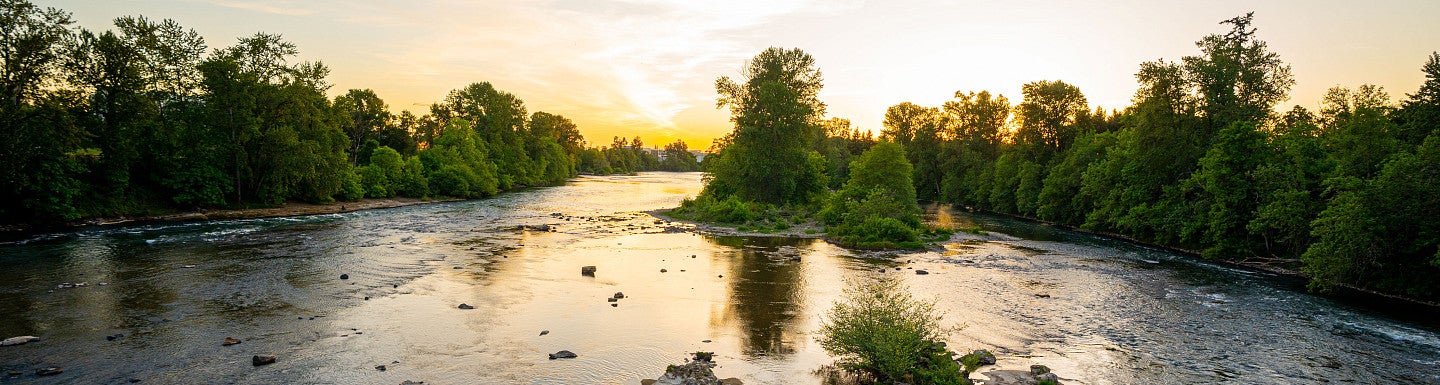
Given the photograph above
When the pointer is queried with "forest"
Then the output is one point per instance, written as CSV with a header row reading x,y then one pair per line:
x,y
147,118
1202,160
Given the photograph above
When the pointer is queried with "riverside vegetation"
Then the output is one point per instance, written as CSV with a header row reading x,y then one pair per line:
x,y
1200,161
146,119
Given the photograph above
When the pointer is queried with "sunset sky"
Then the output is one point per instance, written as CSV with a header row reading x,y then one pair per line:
x,y
647,68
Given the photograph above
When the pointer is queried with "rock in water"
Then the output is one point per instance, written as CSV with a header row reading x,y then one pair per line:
x,y
1051,377
1039,369
587,271
49,371
344,276
465,307
983,357
262,360
230,341
611,299
380,368
21,340
921,272
563,354
544,332
619,295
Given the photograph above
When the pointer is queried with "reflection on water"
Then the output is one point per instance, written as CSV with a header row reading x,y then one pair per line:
x,y
1113,312
766,294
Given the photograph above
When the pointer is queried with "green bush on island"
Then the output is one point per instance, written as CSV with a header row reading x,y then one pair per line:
x,y
879,330
876,208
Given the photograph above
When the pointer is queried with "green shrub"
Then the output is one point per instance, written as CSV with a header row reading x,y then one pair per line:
x,y
879,329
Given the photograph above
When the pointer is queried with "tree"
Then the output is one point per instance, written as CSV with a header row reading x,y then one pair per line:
x,y
776,113
877,207
919,130
679,158
499,117
1048,116
367,117
1236,76
37,130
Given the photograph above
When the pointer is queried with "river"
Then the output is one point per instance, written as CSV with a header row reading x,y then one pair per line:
x,y
158,300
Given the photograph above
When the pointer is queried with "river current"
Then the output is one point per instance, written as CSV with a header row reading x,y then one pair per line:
x,y
154,302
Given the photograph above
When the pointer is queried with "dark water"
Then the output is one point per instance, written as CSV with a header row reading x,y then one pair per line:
x,y
1117,313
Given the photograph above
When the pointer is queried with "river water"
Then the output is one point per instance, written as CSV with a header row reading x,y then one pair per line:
x,y
158,300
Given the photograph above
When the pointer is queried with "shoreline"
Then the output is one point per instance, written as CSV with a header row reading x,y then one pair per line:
x,y
1340,289
725,231
287,209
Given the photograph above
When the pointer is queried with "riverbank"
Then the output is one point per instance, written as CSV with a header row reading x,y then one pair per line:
x,y
288,209
1267,266
807,230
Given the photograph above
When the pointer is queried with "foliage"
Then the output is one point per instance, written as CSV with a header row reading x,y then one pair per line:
x,y
880,329
145,115
769,156
876,208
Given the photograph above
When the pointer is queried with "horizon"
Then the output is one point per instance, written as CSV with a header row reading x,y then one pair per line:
x,y
647,68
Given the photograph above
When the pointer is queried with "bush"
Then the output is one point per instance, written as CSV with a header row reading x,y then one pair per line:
x,y
706,208
880,330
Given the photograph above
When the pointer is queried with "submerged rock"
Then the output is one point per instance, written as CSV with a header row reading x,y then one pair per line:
x,y
21,340
259,360
563,354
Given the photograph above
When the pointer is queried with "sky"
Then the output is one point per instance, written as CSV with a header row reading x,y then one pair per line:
x,y
647,67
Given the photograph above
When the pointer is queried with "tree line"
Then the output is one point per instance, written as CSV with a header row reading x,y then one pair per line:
x,y
147,118
1201,160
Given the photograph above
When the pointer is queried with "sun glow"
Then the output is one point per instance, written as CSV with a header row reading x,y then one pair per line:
x,y
646,68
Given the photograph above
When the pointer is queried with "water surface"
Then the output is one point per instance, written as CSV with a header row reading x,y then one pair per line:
x,y
1116,313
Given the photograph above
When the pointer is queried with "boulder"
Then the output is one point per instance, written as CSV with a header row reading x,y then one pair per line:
x,y
230,341
587,271
563,354
262,360
1039,369
1050,377
619,295
465,307
21,340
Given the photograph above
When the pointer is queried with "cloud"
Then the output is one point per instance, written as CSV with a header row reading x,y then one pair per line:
x,y
632,64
